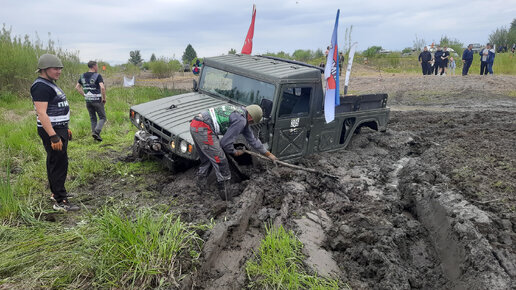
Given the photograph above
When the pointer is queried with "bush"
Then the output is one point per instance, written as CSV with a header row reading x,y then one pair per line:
x,y
19,59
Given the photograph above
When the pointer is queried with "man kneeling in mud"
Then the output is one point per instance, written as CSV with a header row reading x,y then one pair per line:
x,y
229,121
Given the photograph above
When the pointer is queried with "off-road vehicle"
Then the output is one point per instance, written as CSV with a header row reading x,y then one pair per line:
x,y
290,93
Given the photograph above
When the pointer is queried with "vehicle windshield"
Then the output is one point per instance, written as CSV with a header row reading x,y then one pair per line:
x,y
242,89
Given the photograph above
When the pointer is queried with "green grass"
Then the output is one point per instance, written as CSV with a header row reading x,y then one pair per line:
x,y
106,250
278,264
143,252
40,254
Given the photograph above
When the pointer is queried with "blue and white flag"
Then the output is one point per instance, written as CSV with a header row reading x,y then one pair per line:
x,y
331,74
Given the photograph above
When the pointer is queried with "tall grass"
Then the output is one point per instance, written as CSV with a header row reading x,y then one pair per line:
x,y
9,204
19,59
279,264
145,251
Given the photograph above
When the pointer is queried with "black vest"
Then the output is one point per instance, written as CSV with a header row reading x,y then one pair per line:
x,y
58,109
91,91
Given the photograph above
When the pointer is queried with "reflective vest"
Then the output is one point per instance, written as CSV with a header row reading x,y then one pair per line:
x,y
91,92
220,117
58,109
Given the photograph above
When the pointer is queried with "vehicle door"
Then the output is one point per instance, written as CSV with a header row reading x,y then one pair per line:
x,y
292,126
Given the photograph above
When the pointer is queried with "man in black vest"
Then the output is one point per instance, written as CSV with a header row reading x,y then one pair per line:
x,y
53,116
424,58
91,86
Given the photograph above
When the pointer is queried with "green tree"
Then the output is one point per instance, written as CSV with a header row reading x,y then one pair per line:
x,y
407,50
318,53
302,55
453,43
499,37
189,55
232,51
135,58
372,51
419,43
153,57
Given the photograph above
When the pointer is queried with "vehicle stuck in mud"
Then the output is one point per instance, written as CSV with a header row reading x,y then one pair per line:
x,y
291,96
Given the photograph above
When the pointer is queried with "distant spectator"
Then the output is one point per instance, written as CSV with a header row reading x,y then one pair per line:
x,y
425,57
444,60
484,54
437,59
513,48
467,59
490,59
195,70
341,62
327,51
453,65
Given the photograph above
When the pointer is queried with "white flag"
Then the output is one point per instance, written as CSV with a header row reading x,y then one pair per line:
x,y
128,82
350,63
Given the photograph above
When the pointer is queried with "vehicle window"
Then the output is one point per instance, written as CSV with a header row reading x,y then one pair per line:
x,y
242,89
295,101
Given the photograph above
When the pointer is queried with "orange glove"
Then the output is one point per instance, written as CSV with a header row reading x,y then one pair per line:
x,y
69,135
238,153
56,143
271,156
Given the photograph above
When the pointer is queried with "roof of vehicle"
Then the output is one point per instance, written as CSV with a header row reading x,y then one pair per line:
x,y
263,67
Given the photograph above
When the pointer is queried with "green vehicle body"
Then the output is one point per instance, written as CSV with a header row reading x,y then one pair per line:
x,y
290,93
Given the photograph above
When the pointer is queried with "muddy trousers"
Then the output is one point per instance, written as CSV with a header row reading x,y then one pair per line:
x,y
210,153
57,162
96,108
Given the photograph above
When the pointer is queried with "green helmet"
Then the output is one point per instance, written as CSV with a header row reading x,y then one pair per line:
x,y
49,60
256,112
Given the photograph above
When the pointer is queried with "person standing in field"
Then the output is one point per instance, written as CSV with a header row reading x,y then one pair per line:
x,y
53,116
490,59
91,86
341,62
444,60
424,58
453,65
484,55
467,59
437,59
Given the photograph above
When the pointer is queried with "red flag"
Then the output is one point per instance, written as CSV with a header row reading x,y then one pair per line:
x,y
248,44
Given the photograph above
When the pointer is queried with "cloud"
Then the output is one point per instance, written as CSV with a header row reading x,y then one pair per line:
x,y
109,30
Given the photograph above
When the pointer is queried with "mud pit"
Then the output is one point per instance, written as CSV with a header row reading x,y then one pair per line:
x,y
428,204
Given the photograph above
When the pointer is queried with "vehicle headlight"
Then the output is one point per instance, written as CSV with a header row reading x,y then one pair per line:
x,y
137,119
183,146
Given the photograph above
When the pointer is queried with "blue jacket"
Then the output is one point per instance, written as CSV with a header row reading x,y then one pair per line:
x,y
467,55
491,56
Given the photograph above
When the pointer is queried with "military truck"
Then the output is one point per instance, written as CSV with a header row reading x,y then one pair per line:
x,y
290,93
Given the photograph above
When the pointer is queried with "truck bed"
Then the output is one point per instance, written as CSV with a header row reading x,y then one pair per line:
x,y
353,103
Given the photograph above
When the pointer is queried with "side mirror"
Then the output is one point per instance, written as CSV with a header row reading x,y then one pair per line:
x,y
195,86
266,106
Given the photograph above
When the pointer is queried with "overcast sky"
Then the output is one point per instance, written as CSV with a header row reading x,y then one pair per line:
x,y
108,30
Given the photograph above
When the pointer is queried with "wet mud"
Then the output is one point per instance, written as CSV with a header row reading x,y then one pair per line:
x,y
428,204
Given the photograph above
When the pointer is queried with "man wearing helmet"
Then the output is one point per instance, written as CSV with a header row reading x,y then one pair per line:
x,y
229,121
53,116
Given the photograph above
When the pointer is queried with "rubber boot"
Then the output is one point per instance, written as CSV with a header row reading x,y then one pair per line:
x,y
224,190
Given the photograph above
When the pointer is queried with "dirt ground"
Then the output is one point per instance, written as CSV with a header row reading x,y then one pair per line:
x,y
431,203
